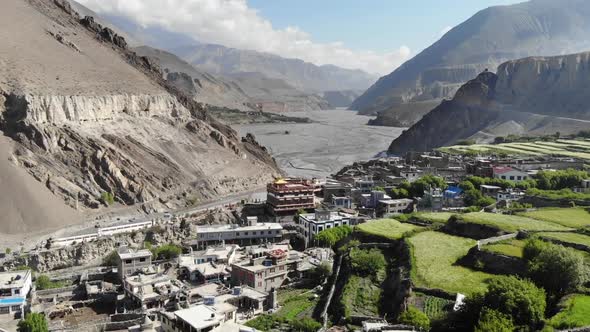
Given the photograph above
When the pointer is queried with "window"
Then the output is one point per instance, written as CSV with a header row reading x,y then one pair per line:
x,y
281,268
503,177
245,233
511,177
16,291
142,259
269,232
272,270
15,308
237,233
128,261
519,177
4,310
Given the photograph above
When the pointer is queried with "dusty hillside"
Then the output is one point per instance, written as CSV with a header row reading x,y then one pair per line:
x,y
515,101
489,38
83,115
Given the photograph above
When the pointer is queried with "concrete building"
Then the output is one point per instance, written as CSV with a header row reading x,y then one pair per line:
x,y
199,318
365,185
584,187
490,191
290,195
395,206
336,188
207,265
256,233
266,268
116,228
342,202
371,200
14,289
311,224
130,261
510,195
150,291
509,173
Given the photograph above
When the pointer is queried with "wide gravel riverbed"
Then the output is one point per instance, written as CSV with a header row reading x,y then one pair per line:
x,y
335,139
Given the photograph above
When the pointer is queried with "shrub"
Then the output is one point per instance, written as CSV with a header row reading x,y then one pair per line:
x,y
549,260
263,322
494,321
322,271
110,259
416,318
330,237
166,251
305,325
33,322
43,282
8,251
367,262
520,299
107,198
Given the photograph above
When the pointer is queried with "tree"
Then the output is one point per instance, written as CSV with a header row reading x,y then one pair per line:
x,y
556,260
367,262
8,251
494,321
33,322
107,198
305,325
322,271
416,318
111,259
43,282
518,298
330,237
166,251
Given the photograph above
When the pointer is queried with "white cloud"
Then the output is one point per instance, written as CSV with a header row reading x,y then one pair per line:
x,y
232,23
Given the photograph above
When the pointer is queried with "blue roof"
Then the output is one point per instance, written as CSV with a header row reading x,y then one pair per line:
x,y
452,192
12,300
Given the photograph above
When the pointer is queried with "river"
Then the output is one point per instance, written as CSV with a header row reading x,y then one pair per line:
x,y
336,138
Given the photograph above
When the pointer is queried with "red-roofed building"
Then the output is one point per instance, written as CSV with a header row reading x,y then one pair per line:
x,y
509,173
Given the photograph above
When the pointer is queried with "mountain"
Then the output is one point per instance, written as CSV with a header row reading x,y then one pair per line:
x,y
492,36
535,96
341,98
243,91
81,116
302,75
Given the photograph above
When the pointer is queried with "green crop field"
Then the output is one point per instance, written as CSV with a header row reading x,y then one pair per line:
x,y
361,296
569,217
574,238
434,258
576,313
436,307
434,217
295,303
387,228
511,247
570,148
511,223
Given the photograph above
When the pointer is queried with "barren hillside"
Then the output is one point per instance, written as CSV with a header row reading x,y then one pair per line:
x,y
83,116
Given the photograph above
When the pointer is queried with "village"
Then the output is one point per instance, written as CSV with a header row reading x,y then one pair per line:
x,y
287,262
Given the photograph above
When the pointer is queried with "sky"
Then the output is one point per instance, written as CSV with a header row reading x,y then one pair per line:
x,y
372,35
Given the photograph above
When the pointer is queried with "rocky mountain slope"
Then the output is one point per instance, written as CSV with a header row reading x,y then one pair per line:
x,y
341,98
84,116
305,76
520,99
244,91
490,37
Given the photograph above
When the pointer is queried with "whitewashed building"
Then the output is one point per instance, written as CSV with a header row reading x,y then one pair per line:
x,y
14,288
311,224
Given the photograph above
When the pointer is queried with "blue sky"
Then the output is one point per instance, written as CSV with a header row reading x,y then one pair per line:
x,y
377,25
373,35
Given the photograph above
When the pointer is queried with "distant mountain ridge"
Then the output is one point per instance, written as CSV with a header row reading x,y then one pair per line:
x,y
305,76
535,95
490,37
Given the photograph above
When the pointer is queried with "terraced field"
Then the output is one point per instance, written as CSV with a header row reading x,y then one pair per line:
x,y
575,313
434,217
434,258
570,217
512,247
387,228
511,223
569,148
574,238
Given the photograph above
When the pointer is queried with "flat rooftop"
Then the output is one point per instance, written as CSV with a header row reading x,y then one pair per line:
x,y
203,316
234,228
127,253
14,279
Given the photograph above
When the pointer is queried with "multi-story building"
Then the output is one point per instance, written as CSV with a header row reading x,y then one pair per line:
x,y
336,188
200,318
14,288
364,185
256,233
266,269
342,202
290,195
311,224
150,291
130,261
509,173
395,206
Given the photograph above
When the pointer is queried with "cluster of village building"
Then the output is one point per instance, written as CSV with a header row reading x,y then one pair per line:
x,y
230,273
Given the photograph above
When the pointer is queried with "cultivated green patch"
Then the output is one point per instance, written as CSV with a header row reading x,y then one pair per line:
x,y
575,313
574,238
568,217
434,257
386,228
511,247
511,223
433,217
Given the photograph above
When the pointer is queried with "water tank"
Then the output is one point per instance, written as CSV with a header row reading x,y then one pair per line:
x,y
209,300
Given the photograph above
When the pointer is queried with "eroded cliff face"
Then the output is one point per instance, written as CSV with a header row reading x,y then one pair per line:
x,y
537,96
111,124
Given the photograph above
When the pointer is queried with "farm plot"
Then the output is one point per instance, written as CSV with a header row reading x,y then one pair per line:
x,y
433,263
386,228
575,313
574,238
569,217
511,247
511,223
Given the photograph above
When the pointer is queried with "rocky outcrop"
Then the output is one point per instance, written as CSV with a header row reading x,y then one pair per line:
x,y
489,38
536,96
